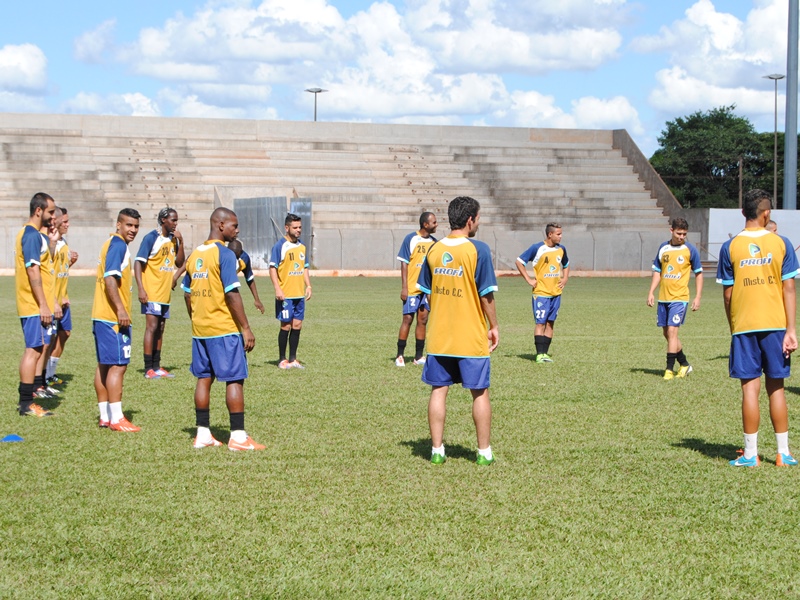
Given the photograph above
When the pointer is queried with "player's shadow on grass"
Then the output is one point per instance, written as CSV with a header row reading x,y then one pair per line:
x,y
793,390
721,357
530,357
659,372
709,449
422,449
218,433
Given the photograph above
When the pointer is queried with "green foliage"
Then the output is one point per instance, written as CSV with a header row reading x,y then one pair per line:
x,y
609,483
700,154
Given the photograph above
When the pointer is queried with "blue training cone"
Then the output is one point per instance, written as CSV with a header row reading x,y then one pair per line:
x,y
12,437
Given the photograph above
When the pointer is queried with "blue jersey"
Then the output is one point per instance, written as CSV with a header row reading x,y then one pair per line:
x,y
245,267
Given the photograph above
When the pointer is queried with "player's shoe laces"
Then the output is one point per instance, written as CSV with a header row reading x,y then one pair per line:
x,y
164,373
295,364
208,443
399,362
419,361
284,364
438,459
151,374
34,410
482,460
684,371
785,460
248,444
124,425
745,462
669,374
543,358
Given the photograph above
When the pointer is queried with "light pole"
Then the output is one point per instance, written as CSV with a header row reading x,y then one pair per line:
x,y
775,77
316,91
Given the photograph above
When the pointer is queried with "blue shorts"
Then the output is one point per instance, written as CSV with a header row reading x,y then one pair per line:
x,y
65,322
157,309
471,373
545,308
36,335
290,309
223,358
754,353
671,314
416,303
112,343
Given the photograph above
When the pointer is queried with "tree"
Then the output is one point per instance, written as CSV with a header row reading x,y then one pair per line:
x,y
700,154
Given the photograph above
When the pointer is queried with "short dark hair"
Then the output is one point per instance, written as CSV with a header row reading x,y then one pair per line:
x,y
164,213
424,218
236,247
460,210
128,212
752,201
39,200
551,227
62,209
291,218
680,223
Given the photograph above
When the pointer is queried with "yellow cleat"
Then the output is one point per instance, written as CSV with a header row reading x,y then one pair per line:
x,y
668,375
684,371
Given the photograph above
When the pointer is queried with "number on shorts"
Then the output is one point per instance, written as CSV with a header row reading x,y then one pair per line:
x,y
285,314
540,314
126,351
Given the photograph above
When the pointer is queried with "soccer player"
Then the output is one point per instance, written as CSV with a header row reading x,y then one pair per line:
x,y
64,258
757,270
35,293
288,269
160,252
412,253
674,261
550,274
457,275
221,334
111,321
244,266
772,226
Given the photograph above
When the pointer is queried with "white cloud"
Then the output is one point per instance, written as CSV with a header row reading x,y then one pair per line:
x,y
23,103
23,68
134,105
191,106
95,46
613,113
532,109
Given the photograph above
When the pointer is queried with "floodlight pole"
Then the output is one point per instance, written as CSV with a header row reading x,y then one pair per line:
x,y
315,91
775,77
790,124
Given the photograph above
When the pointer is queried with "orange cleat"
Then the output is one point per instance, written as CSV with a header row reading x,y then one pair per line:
x,y
249,444
124,425
213,442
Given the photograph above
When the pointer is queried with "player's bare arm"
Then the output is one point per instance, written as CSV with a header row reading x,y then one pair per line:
x,y
564,277
790,306
180,253
234,301
489,309
138,267
253,290
73,257
727,294
187,299
307,281
404,281
654,281
524,272
698,281
35,279
273,275
112,293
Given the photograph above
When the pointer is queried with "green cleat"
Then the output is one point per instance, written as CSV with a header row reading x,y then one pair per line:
x,y
438,459
543,358
483,461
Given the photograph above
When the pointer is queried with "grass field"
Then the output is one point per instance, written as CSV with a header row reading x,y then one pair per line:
x,y
609,482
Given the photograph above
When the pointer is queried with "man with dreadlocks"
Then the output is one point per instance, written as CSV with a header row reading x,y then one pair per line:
x,y
160,253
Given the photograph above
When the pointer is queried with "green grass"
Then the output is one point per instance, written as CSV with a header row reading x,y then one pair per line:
x,y
609,482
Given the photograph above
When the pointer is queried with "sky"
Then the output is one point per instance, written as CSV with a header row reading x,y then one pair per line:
x,y
599,64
